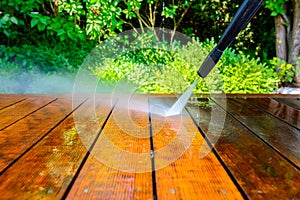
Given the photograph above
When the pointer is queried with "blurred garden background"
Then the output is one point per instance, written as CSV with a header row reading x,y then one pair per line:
x,y
43,40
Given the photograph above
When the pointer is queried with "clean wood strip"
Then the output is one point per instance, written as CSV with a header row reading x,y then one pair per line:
x,y
119,166
278,109
261,172
189,176
292,102
48,168
18,111
16,139
6,101
278,134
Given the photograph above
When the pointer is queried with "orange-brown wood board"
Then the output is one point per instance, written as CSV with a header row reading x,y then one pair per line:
x,y
99,147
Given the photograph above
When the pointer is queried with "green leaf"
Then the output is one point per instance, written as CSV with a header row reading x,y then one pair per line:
x,y
5,18
89,28
61,32
274,13
41,26
34,22
44,20
14,20
21,22
6,32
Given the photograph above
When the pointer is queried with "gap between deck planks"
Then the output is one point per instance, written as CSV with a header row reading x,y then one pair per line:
x,y
55,159
275,108
7,101
14,113
261,172
113,184
28,132
276,133
181,172
66,169
122,149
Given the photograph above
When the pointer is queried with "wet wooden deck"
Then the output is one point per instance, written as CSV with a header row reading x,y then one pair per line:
x,y
54,148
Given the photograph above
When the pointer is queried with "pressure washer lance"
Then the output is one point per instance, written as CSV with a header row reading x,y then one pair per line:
x,y
244,14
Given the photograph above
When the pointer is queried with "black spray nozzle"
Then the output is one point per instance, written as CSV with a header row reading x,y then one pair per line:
x,y
244,14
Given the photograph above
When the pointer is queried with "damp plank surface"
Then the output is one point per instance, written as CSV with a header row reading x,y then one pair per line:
x,y
99,147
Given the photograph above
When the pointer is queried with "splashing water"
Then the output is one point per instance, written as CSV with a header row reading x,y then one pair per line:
x,y
178,106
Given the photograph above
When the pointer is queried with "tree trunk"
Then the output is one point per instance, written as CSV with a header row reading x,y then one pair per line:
x,y
281,37
294,39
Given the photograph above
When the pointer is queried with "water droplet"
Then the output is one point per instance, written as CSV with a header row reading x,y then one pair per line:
x,y
223,191
259,192
137,190
86,190
49,191
172,191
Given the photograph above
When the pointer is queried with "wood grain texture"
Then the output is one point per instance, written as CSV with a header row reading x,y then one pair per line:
x,y
270,129
6,101
119,166
14,113
181,172
56,147
47,169
30,130
258,169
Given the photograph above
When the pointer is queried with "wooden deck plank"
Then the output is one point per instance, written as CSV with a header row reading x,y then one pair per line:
x,y
49,167
6,101
292,102
41,158
260,171
122,146
177,144
18,138
278,134
14,113
278,109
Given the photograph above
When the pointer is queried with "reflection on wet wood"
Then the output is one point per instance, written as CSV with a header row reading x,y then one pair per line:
x,y
280,110
56,147
48,168
276,133
182,172
28,131
292,102
258,169
119,165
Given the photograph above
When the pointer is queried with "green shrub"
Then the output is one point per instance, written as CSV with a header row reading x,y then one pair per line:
x,y
47,58
285,71
155,67
160,69
24,68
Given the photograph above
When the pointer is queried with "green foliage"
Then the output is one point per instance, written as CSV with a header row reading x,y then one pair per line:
x,y
23,22
170,11
163,69
284,71
276,6
242,74
64,19
56,58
